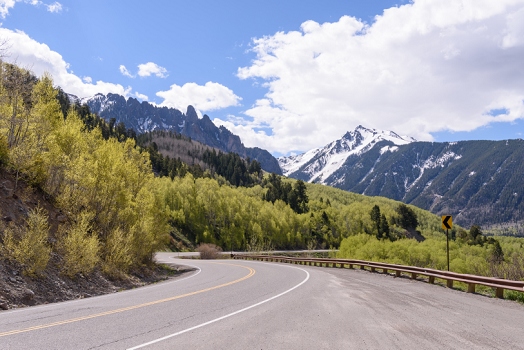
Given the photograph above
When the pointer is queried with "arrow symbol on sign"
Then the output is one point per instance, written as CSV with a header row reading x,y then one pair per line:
x,y
445,222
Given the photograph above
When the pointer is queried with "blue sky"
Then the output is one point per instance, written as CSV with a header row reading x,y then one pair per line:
x,y
290,75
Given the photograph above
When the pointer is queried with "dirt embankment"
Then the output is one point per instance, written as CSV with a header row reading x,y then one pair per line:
x,y
18,290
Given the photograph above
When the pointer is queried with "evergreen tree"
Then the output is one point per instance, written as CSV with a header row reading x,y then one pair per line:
x,y
375,218
384,227
497,255
407,218
299,192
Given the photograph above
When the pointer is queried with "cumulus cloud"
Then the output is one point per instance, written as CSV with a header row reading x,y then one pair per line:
x,y
419,68
39,58
150,68
253,134
141,96
208,97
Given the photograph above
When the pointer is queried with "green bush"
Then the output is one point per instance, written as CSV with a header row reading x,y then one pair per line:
x,y
117,255
80,248
28,244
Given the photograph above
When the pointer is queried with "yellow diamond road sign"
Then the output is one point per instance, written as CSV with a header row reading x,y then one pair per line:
x,y
447,222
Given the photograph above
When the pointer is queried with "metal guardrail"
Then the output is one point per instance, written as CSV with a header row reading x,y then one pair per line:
x,y
498,284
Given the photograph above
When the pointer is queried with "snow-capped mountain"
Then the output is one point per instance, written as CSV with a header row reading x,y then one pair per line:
x,y
144,117
318,164
478,182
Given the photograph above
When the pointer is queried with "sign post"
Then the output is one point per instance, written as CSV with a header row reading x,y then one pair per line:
x,y
447,224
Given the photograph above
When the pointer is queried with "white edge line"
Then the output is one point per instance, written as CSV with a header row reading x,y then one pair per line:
x,y
225,316
133,290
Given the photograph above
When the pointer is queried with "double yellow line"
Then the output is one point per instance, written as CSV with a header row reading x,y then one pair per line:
x,y
133,307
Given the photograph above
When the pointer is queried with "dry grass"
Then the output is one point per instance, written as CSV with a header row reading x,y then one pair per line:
x,y
209,251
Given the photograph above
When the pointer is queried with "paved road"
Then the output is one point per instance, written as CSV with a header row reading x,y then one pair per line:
x,y
254,305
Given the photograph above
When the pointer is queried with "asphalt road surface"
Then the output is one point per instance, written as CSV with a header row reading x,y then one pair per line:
x,y
233,304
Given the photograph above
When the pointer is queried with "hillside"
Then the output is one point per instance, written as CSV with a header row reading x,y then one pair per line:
x,y
176,146
478,182
18,289
78,206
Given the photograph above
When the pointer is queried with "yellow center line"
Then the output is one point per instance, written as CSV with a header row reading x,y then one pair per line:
x,y
133,307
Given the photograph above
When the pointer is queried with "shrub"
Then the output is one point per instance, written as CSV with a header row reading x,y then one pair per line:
x,y
209,251
117,253
80,248
28,245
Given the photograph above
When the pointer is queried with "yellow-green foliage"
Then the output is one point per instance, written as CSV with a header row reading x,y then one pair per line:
x,y
211,213
80,247
84,173
118,252
431,253
28,245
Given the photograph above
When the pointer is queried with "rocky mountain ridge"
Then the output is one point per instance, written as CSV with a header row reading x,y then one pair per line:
x,y
144,117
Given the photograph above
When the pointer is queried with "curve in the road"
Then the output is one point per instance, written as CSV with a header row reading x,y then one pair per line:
x,y
133,307
324,308
225,316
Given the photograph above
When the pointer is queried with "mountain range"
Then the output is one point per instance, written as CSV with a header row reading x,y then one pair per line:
x,y
144,117
478,182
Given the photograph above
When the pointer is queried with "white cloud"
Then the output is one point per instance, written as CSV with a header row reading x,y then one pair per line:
x,y
149,68
5,6
125,72
423,67
252,136
141,96
55,7
208,97
39,58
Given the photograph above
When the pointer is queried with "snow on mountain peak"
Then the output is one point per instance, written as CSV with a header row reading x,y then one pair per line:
x,y
320,163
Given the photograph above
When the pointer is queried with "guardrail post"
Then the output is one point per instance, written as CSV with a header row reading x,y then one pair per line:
x,y
449,283
351,266
413,275
431,279
384,270
397,273
372,268
471,287
362,267
499,293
